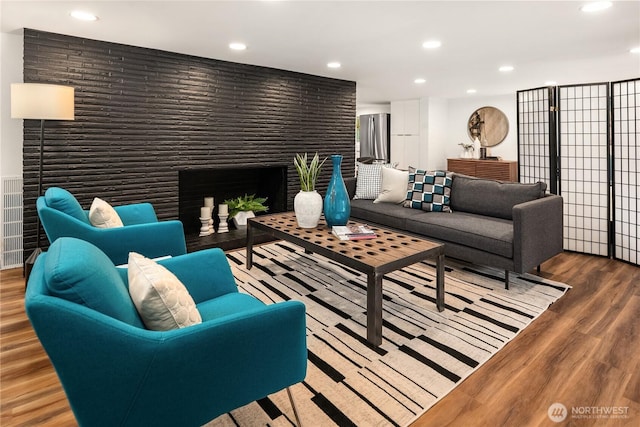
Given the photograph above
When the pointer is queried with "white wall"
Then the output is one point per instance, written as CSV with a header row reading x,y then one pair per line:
x,y
11,51
372,109
460,109
437,132
443,126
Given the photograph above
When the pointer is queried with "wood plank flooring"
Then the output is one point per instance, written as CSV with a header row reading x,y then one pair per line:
x,y
584,352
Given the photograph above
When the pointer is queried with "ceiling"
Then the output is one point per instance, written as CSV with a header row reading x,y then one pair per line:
x,y
378,43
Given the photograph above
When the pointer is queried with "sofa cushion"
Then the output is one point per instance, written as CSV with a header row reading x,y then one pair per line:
x,y
491,198
79,272
368,180
388,214
393,188
161,299
488,234
63,201
428,190
102,215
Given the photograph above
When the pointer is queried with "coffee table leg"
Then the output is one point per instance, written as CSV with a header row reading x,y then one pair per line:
x,y
440,283
374,309
249,245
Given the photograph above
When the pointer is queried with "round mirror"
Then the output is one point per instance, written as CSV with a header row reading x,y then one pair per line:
x,y
489,125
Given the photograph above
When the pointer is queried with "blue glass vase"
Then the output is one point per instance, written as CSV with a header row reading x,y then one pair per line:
x,y
337,206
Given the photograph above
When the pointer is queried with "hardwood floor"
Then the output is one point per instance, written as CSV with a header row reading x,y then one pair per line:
x,y
584,352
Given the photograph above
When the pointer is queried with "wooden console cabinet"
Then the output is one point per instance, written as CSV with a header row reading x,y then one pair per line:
x,y
502,170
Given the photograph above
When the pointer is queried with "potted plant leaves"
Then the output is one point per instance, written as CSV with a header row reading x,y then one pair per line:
x,y
243,207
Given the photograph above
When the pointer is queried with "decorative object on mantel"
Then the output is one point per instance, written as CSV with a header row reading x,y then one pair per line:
x,y
41,102
337,206
223,214
208,202
205,218
476,148
244,207
307,204
467,150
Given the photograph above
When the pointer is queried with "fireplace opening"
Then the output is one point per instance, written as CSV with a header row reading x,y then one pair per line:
x,y
223,184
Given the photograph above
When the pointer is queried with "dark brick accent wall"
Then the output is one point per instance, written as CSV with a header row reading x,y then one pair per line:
x,y
142,115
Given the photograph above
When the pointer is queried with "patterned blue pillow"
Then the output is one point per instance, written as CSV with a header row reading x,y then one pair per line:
x,y
428,190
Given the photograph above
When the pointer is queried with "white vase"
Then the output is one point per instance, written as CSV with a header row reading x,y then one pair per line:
x,y
307,206
476,148
240,219
466,154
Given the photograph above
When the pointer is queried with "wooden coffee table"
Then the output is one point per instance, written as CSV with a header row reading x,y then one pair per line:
x,y
388,252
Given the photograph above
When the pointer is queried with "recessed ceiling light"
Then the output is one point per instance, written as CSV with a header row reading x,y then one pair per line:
x,y
471,91
432,44
83,16
596,6
506,68
420,81
237,46
635,50
334,65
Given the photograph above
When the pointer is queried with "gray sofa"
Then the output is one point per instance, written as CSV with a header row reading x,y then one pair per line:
x,y
511,226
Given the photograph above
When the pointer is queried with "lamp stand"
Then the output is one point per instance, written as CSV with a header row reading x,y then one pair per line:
x,y
31,260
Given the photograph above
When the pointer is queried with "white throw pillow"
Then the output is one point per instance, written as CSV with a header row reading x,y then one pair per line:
x,y
394,186
102,215
161,299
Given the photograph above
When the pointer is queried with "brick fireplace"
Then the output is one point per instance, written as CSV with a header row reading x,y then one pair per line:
x,y
146,118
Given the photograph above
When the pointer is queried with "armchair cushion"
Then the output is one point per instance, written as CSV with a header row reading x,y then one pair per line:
x,y
60,199
161,299
81,273
103,215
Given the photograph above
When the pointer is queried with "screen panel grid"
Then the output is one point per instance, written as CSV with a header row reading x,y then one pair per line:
x,y
626,166
533,135
584,157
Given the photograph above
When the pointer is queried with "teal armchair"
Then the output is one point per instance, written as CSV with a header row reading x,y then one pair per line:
x,y
62,215
117,373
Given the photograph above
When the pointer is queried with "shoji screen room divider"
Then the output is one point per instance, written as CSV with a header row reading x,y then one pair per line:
x,y
583,140
626,169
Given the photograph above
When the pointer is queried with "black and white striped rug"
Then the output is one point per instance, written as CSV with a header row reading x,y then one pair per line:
x,y
424,354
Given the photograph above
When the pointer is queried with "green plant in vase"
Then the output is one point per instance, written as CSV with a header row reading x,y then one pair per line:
x,y
243,207
308,203
308,173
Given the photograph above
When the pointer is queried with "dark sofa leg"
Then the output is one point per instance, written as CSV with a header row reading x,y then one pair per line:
x,y
506,279
538,268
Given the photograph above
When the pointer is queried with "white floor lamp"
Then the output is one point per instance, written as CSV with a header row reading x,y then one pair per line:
x,y
41,102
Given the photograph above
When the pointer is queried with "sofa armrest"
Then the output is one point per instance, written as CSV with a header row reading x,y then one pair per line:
x,y
350,183
137,213
537,231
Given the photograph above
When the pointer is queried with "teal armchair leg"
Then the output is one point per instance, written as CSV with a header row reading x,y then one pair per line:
x,y
293,405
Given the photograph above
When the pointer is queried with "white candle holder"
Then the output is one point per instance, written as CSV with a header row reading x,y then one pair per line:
x,y
223,227
205,230
208,203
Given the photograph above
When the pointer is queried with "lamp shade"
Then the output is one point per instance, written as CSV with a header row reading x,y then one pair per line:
x,y
42,101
